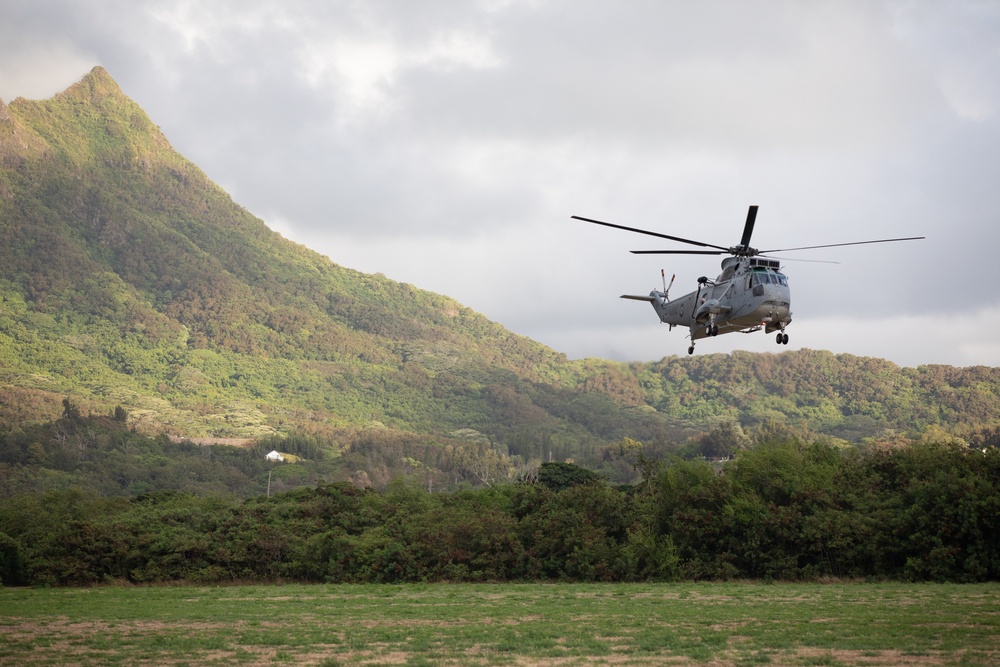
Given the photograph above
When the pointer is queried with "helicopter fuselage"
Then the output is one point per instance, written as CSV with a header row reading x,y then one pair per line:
x,y
749,294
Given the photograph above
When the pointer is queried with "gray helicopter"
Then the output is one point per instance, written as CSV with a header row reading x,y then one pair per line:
x,y
750,294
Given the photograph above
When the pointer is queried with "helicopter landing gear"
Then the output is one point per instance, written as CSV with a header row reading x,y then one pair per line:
x,y
782,338
712,329
691,350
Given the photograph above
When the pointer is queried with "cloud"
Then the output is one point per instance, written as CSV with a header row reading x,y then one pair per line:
x,y
447,143
36,63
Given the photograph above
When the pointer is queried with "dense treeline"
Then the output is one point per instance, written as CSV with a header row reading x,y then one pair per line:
x,y
101,453
784,509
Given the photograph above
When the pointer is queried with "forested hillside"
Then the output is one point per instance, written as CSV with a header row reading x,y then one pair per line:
x,y
128,280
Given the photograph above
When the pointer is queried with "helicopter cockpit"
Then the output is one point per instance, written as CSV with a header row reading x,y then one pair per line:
x,y
765,277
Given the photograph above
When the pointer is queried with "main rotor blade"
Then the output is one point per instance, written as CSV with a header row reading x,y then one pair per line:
x,y
679,252
648,233
837,245
748,228
793,259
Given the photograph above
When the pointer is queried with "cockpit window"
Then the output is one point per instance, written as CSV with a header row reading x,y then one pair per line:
x,y
768,278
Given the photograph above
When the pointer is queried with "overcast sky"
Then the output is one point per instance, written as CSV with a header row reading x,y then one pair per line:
x,y
446,144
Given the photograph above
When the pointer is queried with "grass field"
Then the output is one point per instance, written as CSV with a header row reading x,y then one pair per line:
x,y
505,624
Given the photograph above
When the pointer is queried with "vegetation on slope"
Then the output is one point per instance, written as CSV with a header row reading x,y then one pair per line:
x,y
127,278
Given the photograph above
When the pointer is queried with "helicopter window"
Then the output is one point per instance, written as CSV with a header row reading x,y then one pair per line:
x,y
765,278
781,279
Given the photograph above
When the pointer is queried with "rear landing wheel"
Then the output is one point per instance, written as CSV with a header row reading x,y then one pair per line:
x,y
784,339
691,350
778,339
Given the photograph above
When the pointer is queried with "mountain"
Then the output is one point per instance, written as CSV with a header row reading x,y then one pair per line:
x,y
128,278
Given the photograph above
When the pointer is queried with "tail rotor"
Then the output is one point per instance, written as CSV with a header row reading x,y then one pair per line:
x,y
666,287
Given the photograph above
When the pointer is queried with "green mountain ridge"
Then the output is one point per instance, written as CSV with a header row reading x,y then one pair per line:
x,y
127,278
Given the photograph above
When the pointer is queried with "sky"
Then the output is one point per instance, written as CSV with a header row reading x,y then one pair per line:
x,y
446,144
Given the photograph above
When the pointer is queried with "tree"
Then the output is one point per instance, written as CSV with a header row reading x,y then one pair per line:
x,y
11,563
724,439
559,476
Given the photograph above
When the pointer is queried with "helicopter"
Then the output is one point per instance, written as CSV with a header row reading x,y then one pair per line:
x,y
749,295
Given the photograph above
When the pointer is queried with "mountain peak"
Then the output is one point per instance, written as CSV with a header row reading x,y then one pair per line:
x,y
96,85
92,119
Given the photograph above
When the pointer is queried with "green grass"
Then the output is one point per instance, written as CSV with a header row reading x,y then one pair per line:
x,y
743,624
